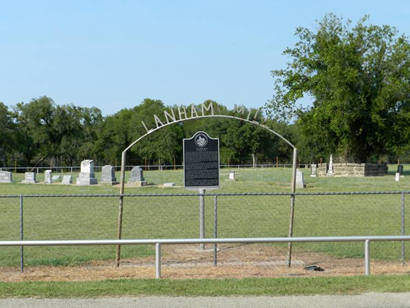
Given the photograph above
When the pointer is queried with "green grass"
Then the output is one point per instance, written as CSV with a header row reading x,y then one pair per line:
x,y
249,180
225,287
177,217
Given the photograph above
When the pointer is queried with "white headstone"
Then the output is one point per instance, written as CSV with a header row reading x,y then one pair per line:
x,y
330,170
108,175
55,178
87,166
6,177
169,184
48,177
86,176
397,177
29,178
232,175
314,170
300,182
67,179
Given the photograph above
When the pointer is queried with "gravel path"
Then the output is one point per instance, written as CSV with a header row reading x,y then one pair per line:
x,y
372,300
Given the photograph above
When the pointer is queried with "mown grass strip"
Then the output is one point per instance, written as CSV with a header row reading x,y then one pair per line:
x,y
207,287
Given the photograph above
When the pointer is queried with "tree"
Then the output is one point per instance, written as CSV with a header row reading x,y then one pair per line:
x,y
55,134
91,121
359,78
248,141
160,147
7,135
113,137
36,134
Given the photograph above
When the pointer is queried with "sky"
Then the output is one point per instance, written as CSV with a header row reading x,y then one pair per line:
x,y
113,54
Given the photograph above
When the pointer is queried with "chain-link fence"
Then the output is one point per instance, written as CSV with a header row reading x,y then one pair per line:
x,y
233,215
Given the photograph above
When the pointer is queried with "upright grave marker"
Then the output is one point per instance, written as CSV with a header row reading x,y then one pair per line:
x,y
137,176
29,178
300,181
201,169
108,175
6,177
48,177
55,178
67,180
86,176
314,170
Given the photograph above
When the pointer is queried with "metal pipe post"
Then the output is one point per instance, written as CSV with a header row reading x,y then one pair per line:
x,y
202,216
120,209
292,206
215,229
21,235
157,260
367,257
403,230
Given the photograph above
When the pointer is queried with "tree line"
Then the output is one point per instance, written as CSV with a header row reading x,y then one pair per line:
x,y
42,132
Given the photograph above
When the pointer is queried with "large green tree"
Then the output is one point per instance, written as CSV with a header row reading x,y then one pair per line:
x,y
51,134
359,78
7,134
37,138
163,146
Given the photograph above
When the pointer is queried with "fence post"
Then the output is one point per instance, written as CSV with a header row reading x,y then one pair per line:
x,y
403,230
202,216
157,260
367,257
215,229
21,235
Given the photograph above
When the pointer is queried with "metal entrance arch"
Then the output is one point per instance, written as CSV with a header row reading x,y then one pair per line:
x,y
122,178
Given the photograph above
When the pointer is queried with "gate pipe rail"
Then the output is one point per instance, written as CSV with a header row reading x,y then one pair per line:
x,y
158,242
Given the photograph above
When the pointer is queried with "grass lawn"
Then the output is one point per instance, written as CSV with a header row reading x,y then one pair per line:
x,y
177,217
225,287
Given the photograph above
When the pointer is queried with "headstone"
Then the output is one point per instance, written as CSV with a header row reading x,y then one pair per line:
x,y
67,179
48,177
400,169
169,184
300,183
108,175
6,177
137,176
313,170
29,178
55,178
397,177
330,170
86,176
232,175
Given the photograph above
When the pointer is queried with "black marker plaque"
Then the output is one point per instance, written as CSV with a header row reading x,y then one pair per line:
x,y
201,162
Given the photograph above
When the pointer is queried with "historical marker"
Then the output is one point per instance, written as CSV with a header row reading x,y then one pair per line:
x,y
201,162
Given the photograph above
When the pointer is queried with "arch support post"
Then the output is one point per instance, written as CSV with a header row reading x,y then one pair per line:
x,y
292,206
120,208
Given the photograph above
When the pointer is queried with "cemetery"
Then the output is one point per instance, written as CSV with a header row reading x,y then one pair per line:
x,y
238,216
